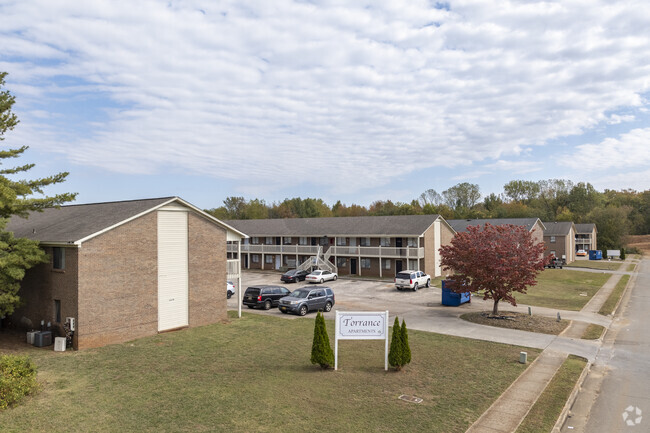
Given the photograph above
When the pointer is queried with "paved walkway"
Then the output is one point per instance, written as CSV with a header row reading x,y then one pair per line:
x,y
509,410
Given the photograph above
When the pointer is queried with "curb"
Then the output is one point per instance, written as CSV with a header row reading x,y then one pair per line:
x,y
627,286
572,398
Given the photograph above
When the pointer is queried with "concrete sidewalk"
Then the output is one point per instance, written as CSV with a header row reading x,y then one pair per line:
x,y
509,410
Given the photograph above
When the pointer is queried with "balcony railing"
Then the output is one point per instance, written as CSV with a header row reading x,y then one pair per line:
x,y
405,252
306,250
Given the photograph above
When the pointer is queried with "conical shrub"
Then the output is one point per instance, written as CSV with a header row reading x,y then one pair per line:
x,y
396,352
321,351
406,357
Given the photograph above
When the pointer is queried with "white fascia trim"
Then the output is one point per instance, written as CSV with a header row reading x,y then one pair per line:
x,y
59,244
172,200
211,218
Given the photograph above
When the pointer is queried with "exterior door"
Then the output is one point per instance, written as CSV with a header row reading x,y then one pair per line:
x,y
353,266
398,266
173,294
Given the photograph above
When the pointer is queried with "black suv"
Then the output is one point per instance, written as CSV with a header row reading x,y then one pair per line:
x,y
305,299
264,296
293,276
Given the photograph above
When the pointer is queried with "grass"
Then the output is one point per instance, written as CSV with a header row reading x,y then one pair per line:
x,y
563,289
631,267
254,374
611,302
547,409
604,265
521,321
593,332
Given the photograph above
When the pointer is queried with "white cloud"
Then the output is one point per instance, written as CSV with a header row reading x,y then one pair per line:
x,y
342,96
628,152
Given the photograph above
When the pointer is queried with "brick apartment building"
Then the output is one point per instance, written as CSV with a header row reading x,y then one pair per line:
x,y
560,240
586,237
534,225
366,245
126,269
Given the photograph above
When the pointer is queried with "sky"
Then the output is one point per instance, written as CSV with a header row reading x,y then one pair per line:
x,y
339,100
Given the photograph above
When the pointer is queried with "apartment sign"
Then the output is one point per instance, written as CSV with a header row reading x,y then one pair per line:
x,y
360,325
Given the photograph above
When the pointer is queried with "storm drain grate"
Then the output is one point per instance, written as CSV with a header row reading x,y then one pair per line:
x,y
410,398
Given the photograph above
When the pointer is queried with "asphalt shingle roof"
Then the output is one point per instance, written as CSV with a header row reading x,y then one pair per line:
x,y
585,228
557,228
405,225
461,225
72,223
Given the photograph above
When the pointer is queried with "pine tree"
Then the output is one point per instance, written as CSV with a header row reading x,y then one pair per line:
x,y
17,199
396,352
405,344
321,351
622,253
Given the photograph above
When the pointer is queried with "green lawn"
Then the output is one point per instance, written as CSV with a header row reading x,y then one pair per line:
x,y
631,267
597,264
547,409
563,289
609,305
253,374
593,332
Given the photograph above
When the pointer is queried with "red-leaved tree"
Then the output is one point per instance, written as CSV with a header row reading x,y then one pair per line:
x,y
497,260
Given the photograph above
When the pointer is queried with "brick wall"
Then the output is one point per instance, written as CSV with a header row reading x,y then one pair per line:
x,y
118,284
42,285
207,271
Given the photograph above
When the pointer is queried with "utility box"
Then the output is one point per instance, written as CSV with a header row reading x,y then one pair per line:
x,y
452,298
30,337
59,344
43,338
595,255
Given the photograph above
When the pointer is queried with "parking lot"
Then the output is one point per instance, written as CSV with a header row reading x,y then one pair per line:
x,y
352,294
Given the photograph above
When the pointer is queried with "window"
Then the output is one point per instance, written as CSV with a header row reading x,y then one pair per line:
x,y
386,263
269,240
340,241
255,240
303,240
552,239
553,253
255,258
58,258
268,259
57,311
341,262
286,240
413,264
364,242
365,263
412,242
385,242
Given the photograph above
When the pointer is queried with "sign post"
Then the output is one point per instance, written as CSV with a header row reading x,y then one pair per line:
x,y
360,325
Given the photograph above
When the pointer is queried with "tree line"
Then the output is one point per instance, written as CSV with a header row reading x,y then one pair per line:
x,y
615,213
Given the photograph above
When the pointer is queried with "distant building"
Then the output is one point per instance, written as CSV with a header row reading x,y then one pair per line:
x,y
586,237
559,238
126,269
534,225
366,245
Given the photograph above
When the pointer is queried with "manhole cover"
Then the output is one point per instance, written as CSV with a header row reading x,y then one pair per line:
x,y
410,398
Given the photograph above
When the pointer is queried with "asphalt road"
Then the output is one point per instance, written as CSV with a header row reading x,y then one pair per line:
x,y
616,395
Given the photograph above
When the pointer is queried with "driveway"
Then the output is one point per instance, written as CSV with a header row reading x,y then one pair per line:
x,y
423,311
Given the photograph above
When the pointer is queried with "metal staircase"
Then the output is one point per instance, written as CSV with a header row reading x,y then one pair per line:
x,y
319,261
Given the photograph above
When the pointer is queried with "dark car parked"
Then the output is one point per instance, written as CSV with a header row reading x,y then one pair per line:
x,y
264,296
293,276
306,299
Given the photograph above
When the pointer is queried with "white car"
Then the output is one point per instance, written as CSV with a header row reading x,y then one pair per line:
x,y
230,289
411,280
319,276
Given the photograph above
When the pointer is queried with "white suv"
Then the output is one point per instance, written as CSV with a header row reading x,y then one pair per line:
x,y
411,280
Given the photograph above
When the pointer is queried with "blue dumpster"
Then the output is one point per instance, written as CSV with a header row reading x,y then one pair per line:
x,y
452,298
595,255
